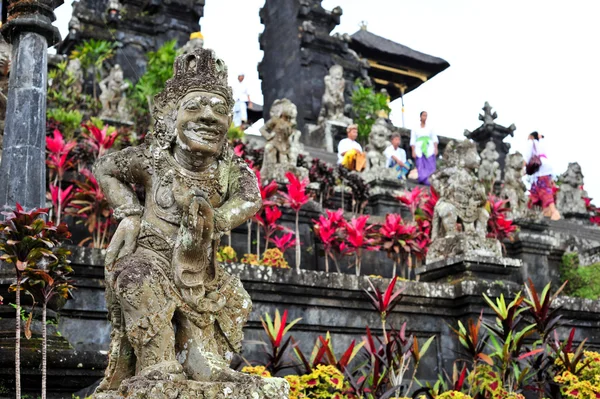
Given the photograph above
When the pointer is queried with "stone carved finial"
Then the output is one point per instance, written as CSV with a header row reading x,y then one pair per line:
x,y
283,143
459,225
570,197
177,315
113,98
513,188
489,171
488,117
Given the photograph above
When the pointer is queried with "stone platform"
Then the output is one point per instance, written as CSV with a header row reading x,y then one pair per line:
x,y
469,267
254,388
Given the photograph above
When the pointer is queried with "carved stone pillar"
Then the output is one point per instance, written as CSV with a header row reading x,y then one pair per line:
x,y
23,169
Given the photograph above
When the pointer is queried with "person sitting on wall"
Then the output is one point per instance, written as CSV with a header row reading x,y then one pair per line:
x,y
396,157
350,152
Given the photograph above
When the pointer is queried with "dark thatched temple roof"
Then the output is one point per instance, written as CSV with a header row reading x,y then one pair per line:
x,y
394,66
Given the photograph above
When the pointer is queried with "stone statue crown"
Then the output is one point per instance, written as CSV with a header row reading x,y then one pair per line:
x,y
200,70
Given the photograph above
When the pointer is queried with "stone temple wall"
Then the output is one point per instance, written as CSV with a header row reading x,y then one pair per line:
x,y
326,302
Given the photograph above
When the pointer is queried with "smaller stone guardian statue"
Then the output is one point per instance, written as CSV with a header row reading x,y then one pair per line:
x,y
282,143
332,104
513,188
570,197
196,42
113,99
489,170
459,224
376,167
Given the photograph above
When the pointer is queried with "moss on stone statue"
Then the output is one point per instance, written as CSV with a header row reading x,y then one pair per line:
x,y
583,282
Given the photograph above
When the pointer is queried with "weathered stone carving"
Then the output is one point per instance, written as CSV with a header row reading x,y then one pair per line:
x,y
332,104
113,99
459,223
570,197
5,50
196,42
489,170
513,188
283,143
177,316
74,69
376,168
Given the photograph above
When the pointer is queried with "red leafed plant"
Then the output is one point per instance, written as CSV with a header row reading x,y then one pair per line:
x,y
412,199
57,158
328,230
277,330
296,198
499,227
400,240
384,303
284,242
359,237
100,140
60,198
324,354
91,206
267,219
266,193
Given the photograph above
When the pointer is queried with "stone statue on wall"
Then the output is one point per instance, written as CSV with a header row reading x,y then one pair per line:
x,y
177,315
112,97
570,197
333,103
75,71
513,188
489,170
376,167
459,224
283,143
196,42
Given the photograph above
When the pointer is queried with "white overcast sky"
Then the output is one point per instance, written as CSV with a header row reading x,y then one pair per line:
x,y
537,62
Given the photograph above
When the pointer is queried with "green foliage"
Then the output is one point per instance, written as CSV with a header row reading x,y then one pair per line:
x,y
69,120
583,282
64,91
235,133
93,53
158,70
366,104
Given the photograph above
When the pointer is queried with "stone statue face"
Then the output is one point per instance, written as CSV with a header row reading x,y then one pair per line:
x,y
336,72
378,138
202,122
490,146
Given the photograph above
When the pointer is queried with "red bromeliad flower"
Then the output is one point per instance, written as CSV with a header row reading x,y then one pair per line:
x,y
296,196
58,154
327,226
412,199
284,242
100,140
266,191
238,150
498,226
357,233
385,302
60,196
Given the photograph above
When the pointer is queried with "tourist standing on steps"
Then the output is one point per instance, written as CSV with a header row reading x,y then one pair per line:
x,y
350,152
542,184
424,145
396,157
242,99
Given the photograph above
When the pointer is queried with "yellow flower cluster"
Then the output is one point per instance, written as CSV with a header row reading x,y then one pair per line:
x,y
274,258
250,259
226,254
587,383
453,395
260,371
324,382
578,388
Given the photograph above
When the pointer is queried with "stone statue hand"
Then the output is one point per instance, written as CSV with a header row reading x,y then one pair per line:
x,y
201,217
124,241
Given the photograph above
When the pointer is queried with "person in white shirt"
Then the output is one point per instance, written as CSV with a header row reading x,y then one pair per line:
x,y
241,98
424,145
542,187
348,144
396,156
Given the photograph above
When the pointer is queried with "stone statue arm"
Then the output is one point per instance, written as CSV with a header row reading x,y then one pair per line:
x,y
243,199
267,131
116,173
